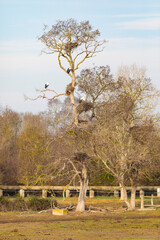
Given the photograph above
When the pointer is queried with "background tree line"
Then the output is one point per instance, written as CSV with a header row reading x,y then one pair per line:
x,y
119,134
104,131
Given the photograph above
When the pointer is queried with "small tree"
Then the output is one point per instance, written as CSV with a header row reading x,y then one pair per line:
x,y
34,152
79,140
10,124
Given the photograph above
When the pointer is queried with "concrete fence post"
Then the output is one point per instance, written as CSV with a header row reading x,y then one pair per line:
x,y
22,193
141,193
142,198
158,192
91,193
116,193
67,193
44,193
1,192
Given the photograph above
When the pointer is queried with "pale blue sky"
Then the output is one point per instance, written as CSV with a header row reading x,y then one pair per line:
x,y
132,28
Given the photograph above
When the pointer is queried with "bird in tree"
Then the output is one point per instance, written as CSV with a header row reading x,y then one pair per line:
x,y
46,85
68,70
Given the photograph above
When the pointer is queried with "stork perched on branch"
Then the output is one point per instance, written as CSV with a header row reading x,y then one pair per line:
x,y
46,85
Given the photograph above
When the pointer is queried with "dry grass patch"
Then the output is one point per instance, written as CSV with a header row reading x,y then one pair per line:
x,y
85,226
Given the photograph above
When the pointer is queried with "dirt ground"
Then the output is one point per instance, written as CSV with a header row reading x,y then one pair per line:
x,y
91,225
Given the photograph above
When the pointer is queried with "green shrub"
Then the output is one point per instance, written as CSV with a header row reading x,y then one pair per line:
x,y
18,204
4,203
36,203
9,204
33,203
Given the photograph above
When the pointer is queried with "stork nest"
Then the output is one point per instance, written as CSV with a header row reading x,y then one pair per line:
x,y
80,156
70,88
84,107
71,45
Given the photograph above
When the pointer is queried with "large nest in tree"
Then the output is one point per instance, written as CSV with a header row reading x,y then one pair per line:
x,y
71,45
80,156
84,107
69,89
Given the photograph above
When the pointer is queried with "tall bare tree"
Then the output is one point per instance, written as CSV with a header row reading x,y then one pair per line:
x,y
74,43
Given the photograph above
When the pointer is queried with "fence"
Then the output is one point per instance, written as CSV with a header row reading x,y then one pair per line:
x,y
22,190
152,205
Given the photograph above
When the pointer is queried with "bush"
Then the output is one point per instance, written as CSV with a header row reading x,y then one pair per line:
x,y
33,203
9,204
36,203
4,203
18,204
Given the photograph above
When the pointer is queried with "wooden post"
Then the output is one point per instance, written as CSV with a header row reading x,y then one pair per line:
x,y
22,193
142,199
67,193
1,192
116,193
44,193
152,199
91,193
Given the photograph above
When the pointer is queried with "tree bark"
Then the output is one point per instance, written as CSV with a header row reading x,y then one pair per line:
x,y
122,192
74,108
73,100
123,189
83,189
133,198
130,204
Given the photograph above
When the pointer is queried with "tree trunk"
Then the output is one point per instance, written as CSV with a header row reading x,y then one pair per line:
x,y
74,108
132,204
133,198
124,191
73,100
122,196
122,163
83,189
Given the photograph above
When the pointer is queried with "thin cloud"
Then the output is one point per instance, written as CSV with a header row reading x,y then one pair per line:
x,y
133,42
145,24
135,15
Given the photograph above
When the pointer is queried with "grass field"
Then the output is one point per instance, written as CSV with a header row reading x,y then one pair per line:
x,y
113,223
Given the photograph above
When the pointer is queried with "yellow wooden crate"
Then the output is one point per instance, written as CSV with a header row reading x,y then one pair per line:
x,y
59,211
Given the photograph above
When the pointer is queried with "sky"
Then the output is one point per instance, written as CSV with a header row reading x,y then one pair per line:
x,y
131,28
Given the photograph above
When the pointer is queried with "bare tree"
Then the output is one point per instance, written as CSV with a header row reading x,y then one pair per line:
x,y
122,148
71,157
74,43
97,84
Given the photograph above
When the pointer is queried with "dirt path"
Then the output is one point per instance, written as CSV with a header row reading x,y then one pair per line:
x,y
41,217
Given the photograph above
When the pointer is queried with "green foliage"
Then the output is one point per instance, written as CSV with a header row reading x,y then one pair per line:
x,y
9,204
33,203
37,204
4,202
